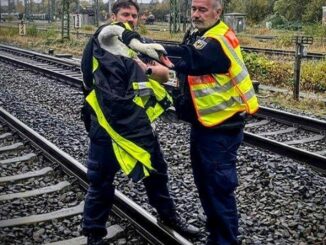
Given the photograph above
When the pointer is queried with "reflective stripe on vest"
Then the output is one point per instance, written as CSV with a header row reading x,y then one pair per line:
x,y
217,97
144,90
95,64
226,104
126,152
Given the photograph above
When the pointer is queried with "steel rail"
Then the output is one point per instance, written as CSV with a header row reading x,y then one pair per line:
x,y
42,56
124,207
74,81
310,55
300,155
311,124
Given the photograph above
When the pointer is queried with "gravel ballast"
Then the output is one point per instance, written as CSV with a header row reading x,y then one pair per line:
x,y
280,201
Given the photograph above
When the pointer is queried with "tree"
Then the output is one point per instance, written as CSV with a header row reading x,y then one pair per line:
x,y
20,7
159,10
292,10
256,10
226,4
313,12
237,6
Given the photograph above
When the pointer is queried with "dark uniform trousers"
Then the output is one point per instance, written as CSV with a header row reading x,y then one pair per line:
x,y
213,155
102,167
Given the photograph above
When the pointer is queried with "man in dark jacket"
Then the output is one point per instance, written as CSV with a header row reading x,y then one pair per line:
x,y
118,124
214,96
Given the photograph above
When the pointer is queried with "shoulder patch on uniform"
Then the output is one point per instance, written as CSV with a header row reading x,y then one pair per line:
x,y
200,44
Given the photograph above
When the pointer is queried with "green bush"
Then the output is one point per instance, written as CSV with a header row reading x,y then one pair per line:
x,y
280,72
277,20
32,30
313,75
315,30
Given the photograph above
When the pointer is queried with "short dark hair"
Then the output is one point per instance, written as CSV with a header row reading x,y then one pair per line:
x,y
121,4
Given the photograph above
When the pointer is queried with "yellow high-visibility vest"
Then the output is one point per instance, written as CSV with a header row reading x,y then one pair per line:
x,y
217,97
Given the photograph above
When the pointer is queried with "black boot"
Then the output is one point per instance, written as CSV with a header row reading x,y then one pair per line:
x,y
181,226
95,240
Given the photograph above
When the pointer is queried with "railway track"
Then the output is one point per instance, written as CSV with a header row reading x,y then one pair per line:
x,y
69,71
279,52
298,137
279,199
276,52
42,192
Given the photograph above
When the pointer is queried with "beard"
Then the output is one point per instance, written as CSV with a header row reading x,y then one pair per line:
x,y
198,24
203,25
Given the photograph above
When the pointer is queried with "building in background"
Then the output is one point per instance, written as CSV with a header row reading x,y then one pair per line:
x,y
236,21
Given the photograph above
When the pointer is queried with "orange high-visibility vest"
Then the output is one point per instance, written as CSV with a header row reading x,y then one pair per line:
x,y
217,97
